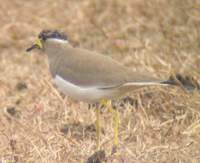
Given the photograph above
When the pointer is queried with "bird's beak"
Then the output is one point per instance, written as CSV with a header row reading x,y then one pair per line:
x,y
37,45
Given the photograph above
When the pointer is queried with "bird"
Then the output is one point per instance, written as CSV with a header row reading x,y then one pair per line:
x,y
89,76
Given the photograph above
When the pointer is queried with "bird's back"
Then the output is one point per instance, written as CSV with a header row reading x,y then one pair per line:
x,y
90,69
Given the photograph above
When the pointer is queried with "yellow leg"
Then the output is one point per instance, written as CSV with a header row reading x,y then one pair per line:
x,y
115,116
98,127
116,127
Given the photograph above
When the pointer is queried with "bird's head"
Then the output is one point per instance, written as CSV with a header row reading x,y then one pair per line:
x,y
48,37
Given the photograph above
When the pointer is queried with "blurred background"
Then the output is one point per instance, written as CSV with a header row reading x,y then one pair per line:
x,y
157,125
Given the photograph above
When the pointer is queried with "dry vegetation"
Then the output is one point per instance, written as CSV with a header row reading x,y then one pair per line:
x,y
157,125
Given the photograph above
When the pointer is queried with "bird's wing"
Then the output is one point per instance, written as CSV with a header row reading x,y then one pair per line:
x,y
89,69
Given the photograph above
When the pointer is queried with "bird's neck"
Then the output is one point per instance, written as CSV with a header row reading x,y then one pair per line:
x,y
55,49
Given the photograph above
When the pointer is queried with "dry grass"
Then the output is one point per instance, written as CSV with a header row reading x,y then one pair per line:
x,y
161,125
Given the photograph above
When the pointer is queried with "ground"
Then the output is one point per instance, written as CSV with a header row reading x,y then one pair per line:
x,y
156,124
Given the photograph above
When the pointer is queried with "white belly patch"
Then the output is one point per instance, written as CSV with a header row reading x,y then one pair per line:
x,y
87,94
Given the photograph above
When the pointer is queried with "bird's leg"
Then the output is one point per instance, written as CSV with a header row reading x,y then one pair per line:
x,y
116,127
115,116
98,127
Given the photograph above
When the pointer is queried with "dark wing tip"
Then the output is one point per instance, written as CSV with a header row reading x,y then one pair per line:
x,y
187,82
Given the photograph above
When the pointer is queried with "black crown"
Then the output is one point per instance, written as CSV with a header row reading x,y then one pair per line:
x,y
47,34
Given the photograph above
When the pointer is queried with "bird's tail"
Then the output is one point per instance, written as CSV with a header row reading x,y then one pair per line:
x,y
186,82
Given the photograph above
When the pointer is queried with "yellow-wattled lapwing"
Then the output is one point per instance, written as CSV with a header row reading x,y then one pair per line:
x,y
89,76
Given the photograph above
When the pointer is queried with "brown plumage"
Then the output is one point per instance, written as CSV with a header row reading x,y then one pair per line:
x,y
88,69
